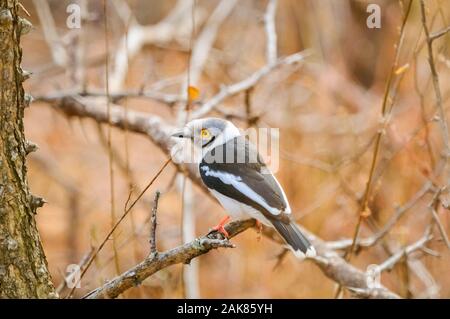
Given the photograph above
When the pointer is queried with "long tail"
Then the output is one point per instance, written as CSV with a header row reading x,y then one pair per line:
x,y
294,238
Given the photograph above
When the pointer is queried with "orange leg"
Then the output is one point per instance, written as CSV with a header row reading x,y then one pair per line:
x,y
220,227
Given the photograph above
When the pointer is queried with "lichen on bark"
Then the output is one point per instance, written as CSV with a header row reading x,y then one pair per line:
x,y
23,267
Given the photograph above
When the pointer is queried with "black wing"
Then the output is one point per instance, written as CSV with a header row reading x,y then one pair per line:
x,y
232,162
239,158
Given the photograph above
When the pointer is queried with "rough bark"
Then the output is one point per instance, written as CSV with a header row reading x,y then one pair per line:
x,y
23,267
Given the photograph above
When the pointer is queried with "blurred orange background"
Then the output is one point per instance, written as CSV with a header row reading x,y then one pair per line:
x,y
327,110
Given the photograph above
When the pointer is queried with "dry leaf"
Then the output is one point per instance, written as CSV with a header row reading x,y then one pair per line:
x,y
193,93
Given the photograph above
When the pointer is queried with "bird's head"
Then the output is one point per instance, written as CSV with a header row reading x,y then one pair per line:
x,y
209,132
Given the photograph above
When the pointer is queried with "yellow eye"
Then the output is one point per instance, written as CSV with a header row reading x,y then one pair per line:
x,y
205,133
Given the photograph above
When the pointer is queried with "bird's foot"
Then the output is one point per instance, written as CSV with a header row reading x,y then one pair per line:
x,y
220,227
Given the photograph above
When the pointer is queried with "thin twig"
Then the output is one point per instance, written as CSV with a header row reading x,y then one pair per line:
x,y
153,224
365,199
205,40
70,277
241,86
168,29
394,259
57,49
105,240
442,117
434,206
155,262
126,167
436,35
155,95
398,214
440,227
423,112
109,139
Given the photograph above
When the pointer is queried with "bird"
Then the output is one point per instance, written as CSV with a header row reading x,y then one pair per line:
x,y
236,175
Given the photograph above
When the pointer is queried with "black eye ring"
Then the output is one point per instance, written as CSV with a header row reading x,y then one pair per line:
x,y
209,142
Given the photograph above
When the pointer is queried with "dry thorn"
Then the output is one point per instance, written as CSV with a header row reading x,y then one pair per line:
x,y
24,9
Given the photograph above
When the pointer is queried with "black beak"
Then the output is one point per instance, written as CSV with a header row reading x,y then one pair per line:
x,y
181,134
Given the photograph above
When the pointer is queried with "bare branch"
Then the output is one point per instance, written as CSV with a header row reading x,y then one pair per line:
x,y
432,288
59,53
70,277
155,262
440,227
153,224
394,259
117,223
271,35
438,34
329,262
236,88
346,275
398,214
369,293
434,206
154,95
442,117
206,38
152,126
173,26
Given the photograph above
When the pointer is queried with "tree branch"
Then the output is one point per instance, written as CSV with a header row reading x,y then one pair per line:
x,y
157,261
394,259
172,27
236,88
153,224
438,34
442,117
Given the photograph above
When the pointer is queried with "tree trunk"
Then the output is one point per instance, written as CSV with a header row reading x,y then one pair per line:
x,y
23,267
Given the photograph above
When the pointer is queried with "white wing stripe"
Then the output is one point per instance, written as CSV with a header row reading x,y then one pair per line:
x,y
288,207
237,183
